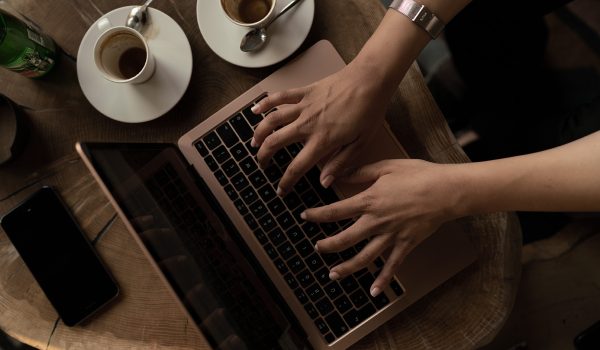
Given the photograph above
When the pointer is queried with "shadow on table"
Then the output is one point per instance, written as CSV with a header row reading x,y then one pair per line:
x,y
8,343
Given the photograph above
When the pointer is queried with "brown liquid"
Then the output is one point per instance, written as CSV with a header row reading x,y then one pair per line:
x,y
132,61
253,10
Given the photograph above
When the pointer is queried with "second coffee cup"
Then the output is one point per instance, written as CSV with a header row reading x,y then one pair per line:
x,y
122,54
249,13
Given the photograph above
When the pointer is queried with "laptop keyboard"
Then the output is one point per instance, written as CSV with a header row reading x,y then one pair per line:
x,y
334,306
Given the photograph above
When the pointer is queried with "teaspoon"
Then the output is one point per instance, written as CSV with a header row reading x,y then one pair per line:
x,y
257,37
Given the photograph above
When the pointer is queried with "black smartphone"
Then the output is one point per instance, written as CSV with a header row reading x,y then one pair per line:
x,y
60,256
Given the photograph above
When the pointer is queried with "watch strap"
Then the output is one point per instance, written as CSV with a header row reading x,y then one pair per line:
x,y
420,15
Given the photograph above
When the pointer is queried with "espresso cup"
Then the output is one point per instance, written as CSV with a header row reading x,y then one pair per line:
x,y
249,13
122,54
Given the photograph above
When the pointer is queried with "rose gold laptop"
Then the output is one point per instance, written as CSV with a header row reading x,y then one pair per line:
x,y
239,259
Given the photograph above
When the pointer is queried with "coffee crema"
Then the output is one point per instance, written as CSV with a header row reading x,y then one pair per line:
x,y
251,11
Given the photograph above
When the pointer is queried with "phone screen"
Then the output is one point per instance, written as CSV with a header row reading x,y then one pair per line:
x,y
59,256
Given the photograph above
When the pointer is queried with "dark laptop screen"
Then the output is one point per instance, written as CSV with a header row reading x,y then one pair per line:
x,y
195,246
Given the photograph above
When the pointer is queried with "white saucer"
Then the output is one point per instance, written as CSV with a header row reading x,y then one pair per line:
x,y
142,102
285,35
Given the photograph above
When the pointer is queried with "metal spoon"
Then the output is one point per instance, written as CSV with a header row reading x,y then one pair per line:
x,y
137,16
257,37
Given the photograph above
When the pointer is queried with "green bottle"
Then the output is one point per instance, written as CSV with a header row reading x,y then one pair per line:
x,y
23,49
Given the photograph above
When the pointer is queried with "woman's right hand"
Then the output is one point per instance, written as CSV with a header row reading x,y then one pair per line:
x,y
334,118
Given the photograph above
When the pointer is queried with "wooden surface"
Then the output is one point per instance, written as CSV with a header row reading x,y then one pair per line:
x,y
466,312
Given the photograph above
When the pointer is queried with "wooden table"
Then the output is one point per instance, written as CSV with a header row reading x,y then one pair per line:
x,y
465,312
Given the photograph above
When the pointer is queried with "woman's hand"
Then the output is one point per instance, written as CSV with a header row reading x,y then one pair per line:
x,y
333,117
407,201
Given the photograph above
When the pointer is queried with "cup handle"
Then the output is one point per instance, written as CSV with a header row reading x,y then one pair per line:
x,y
104,24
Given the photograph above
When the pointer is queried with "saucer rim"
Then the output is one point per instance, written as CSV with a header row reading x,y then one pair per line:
x,y
131,118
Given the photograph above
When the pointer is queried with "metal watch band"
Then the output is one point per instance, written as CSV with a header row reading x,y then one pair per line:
x,y
421,15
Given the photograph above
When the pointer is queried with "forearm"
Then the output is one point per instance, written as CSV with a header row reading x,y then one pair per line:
x,y
397,42
565,178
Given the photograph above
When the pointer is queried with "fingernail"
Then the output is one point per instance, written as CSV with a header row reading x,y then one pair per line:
x,y
254,109
280,193
327,181
303,215
317,247
253,143
375,291
334,276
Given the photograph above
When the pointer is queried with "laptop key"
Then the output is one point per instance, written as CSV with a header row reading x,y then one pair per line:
x,y
324,306
291,280
252,118
285,220
239,152
212,140
273,173
249,195
281,266
257,179
293,149
258,209
302,297
221,177
227,134
271,251
337,324
241,207
221,154
230,168
291,200
305,248
286,250
342,304
348,253
305,278
267,223
248,165
267,192
396,288
276,206
295,234
301,186
241,126
349,284
212,163
231,193
314,292
378,262
277,237
366,281
251,222
352,318
314,262
310,198
311,229
331,259
329,338
322,276
359,298
260,236
381,300
330,228
201,148
366,311
296,264
282,158
311,311
322,326
333,289
252,150
239,181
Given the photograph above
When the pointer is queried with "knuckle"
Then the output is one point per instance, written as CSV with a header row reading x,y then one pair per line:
x,y
363,258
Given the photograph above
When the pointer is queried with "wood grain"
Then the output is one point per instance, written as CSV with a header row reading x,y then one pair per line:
x,y
466,312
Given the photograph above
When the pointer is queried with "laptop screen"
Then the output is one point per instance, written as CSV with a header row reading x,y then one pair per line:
x,y
197,249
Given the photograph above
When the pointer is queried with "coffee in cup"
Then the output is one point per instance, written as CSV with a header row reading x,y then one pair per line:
x,y
122,55
249,13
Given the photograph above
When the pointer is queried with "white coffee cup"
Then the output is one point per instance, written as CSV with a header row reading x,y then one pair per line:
x,y
249,13
122,54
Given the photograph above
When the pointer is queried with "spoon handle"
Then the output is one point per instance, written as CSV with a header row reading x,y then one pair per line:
x,y
147,3
285,9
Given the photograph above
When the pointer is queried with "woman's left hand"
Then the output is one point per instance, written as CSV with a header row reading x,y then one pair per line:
x,y
407,201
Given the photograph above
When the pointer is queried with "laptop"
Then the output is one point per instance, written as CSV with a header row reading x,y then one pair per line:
x,y
239,259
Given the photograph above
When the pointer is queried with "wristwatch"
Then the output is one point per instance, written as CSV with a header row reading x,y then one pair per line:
x,y
421,15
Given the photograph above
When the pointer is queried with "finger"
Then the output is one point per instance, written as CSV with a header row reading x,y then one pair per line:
x,y
390,267
359,231
280,117
343,209
361,260
275,99
367,173
308,157
338,163
276,141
